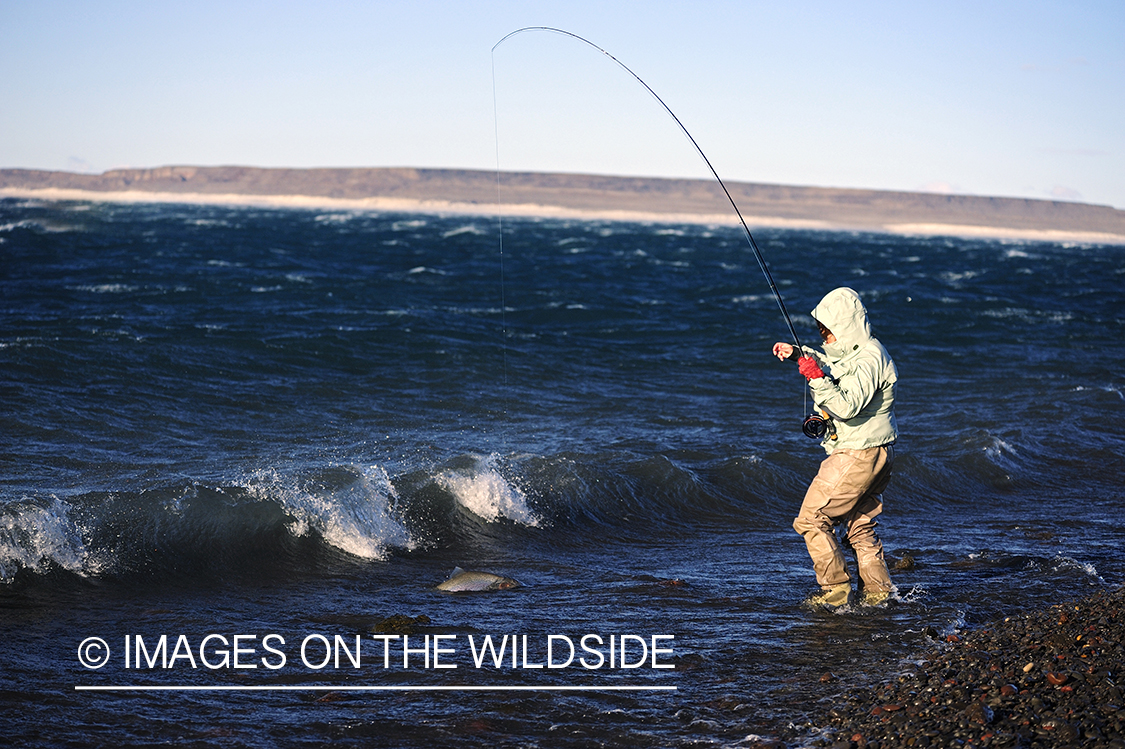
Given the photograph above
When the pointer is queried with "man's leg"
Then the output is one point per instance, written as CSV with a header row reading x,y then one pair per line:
x,y
843,480
868,548
860,524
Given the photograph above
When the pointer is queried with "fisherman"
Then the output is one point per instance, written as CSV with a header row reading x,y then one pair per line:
x,y
853,386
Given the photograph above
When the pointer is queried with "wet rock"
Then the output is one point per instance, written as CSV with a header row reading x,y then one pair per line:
x,y
1061,731
978,713
905,562
1046,679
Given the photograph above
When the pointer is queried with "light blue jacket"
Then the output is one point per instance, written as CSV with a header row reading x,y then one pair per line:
x,y
858,391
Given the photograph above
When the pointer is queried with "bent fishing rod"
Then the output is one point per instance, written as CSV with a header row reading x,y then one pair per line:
x,y
745,228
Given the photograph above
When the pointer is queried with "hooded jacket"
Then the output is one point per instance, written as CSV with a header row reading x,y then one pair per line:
x,y
858,389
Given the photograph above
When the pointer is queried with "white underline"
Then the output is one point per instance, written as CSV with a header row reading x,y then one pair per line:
x,y
325,688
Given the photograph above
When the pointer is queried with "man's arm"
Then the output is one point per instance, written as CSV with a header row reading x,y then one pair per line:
x,y
845,398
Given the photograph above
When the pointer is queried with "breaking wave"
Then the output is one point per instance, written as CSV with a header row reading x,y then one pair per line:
x,y
483,491
39,536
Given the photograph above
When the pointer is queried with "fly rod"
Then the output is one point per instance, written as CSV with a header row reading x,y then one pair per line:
x,y
745,228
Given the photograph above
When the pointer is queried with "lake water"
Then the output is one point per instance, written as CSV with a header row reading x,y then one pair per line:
x,y
271,430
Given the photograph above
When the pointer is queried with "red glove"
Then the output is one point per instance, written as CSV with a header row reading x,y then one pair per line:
x,y
809,368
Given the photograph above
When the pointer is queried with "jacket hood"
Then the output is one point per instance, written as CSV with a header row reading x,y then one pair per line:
x,y
842,312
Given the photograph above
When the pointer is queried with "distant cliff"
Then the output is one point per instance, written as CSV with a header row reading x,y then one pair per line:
x,y
834,207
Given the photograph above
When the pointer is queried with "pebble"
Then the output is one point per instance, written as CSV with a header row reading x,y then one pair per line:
x,y
1045,679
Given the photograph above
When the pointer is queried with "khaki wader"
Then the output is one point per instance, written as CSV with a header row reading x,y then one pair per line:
x,y
846,491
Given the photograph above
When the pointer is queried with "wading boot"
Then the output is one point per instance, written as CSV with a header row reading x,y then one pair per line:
x,y
832,597
875,597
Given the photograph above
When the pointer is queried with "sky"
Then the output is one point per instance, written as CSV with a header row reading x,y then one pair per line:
x,y
1015,99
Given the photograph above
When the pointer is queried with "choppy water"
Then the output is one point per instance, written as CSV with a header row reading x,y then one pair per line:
x,y
227,421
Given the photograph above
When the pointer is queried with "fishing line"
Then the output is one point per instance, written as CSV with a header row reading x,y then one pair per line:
x,y
500,231
745,228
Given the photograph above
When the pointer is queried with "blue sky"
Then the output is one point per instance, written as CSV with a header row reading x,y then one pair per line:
x,y
1021,99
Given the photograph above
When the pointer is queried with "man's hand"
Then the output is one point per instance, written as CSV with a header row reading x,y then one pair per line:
x,y
783,351
809,368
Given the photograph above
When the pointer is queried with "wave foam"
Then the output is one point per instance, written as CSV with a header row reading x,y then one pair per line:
x,y
469,229
355,518
1061,563
106,288
37,538
483,491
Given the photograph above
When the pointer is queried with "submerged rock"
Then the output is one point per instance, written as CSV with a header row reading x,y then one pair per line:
x,y
399,624
905,562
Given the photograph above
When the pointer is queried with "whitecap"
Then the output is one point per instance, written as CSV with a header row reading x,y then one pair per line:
x,y
955,279
50,228
483,491
38,537
356,518
996,448
468,229
1066,563
106,288
334,218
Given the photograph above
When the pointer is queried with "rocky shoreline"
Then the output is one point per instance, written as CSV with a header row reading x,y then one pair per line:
x,y
1051,678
